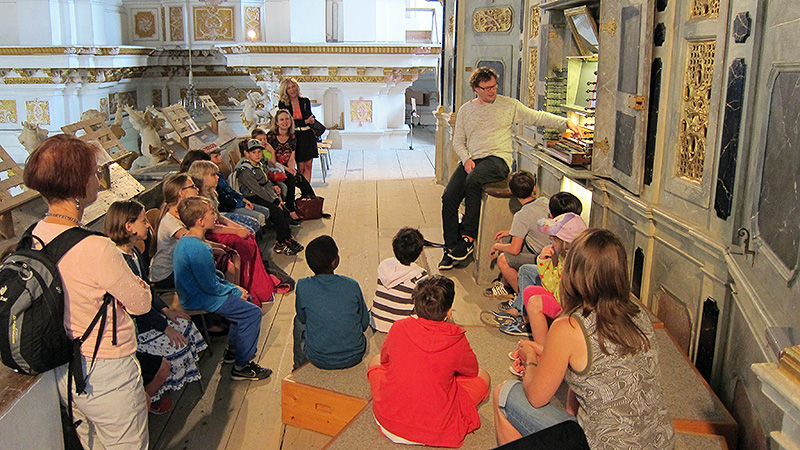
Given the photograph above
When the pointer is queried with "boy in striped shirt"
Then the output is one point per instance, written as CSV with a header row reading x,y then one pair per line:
x,y
397,278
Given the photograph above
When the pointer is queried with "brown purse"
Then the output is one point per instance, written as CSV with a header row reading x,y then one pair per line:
x,y
309,208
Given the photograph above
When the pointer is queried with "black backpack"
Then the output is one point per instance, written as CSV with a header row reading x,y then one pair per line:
x,y
32,335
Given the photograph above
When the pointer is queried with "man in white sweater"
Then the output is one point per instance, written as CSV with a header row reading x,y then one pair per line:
x,y
482,141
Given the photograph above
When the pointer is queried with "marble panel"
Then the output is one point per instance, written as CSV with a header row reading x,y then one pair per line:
x,y
652,119
742,24
729,146
777,219
623,228
630,34
673,271
624,136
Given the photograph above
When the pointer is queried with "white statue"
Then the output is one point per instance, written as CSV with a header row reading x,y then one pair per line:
x,y
253,109
31,136
148,124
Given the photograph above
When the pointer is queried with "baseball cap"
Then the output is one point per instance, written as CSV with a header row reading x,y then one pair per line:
x,y
566,227
253,144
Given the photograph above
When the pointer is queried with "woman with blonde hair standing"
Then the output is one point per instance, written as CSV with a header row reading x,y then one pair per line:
x,y
300,109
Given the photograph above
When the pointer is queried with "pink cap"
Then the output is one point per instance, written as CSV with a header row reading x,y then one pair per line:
x,y
566,226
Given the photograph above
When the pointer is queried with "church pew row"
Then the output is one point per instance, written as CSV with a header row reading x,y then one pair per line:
x,y
336,402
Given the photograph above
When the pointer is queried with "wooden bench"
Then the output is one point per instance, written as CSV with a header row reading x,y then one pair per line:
x,y
497,211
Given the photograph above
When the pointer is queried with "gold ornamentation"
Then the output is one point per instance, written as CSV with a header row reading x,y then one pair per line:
x,y
37,112
304,70
492,20
157,100
332,71
104,107
335,49
695,109
144,24
362,70
29,80
533,63
535,19
610,27
8,111
252,21
26,51
176,23
704,8
451,24
213,23
361,111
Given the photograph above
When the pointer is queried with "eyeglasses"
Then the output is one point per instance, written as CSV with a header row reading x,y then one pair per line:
x,y
192,186
488,88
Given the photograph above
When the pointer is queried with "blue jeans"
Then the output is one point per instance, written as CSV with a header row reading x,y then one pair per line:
x,y
245,319
523,416
528,276
299,344
260,213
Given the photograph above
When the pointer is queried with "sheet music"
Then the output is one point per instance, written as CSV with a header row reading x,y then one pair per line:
x,y
123,187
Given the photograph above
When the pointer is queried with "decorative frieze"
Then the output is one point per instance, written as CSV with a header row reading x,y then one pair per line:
x,y
533,64
176,32
213,23
332,49
492,20
37,112
695,110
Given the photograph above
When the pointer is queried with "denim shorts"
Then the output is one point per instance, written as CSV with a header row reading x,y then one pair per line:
x,y
525,418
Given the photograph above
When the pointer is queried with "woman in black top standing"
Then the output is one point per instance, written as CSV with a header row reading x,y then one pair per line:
x,y
300,109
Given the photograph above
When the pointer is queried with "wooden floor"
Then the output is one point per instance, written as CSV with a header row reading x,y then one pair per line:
x,y
371,194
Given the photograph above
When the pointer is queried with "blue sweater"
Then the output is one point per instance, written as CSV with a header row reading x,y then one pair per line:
x,y
333,310
196,279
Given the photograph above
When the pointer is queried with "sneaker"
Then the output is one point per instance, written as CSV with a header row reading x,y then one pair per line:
x,y
280,247
229,356
294,222
517,369
251,371
514,356
463,248
292,247
505,306
498,290
161,407
516,328
496,318
446,263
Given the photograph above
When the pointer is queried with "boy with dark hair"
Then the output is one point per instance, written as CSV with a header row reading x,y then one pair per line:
x,y
426,383
331,315
525,242
200,286
397,278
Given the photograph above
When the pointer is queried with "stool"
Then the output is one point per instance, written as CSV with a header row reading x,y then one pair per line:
x,y
324,157
497,211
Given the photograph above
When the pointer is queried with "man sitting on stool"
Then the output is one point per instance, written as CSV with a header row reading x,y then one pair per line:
x,y
482,141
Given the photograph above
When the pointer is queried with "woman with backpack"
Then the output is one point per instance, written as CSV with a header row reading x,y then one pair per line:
x,y
113,406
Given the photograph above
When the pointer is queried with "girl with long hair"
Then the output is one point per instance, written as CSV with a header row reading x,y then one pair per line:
x,y
601,346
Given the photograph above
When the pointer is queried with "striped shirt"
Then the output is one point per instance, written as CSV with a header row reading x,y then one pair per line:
x,y
392,300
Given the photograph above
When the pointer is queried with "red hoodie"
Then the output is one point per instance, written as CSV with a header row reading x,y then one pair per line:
x,y
419,399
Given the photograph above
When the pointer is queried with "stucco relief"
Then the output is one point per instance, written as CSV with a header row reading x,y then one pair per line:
x,y
176,23
37,112
252,21
144,24
361,111
8,111
213,23
492,20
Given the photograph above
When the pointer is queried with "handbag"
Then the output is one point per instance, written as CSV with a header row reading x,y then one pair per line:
x,y
276,174
309,208
317,128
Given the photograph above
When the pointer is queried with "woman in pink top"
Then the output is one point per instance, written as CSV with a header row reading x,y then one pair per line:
x,y
113,408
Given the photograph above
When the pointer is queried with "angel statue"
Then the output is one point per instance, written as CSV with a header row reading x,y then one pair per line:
x,y
31,136
253,111
148,123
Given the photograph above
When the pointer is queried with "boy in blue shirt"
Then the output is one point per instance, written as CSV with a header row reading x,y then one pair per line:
x,y
331,314
200,286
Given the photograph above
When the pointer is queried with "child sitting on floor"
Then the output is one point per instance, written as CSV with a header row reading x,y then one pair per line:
x,y
200,286
397,278
426,384
331,314
526,241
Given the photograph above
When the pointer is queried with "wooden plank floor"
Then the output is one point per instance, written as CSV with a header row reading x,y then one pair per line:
x,y
371,194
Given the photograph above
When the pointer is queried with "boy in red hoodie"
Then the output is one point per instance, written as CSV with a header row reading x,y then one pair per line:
x,y
426,384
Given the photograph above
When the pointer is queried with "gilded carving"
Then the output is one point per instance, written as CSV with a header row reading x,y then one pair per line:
x,y
704,8
37,112
176,23
533,63
29,80
492,20
213,23
144,24
8,111
157,99
126,98
535,19
451,24
336,49
361,111
252,21
695,109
